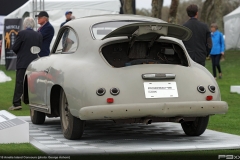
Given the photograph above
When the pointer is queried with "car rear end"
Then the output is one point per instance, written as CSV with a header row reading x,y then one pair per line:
x,y
149,76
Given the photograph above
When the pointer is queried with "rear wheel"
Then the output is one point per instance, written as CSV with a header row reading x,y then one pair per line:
x,y
195,128
72,127
37,117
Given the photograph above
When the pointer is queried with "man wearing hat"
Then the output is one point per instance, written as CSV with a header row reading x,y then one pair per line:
x,y
68,15
47,32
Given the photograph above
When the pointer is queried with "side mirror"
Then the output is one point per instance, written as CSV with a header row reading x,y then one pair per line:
x,y
35,50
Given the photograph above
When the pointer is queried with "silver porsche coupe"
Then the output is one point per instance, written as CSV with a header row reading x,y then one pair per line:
x,y
124,68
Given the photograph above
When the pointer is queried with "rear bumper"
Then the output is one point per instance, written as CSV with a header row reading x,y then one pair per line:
x,y
168,109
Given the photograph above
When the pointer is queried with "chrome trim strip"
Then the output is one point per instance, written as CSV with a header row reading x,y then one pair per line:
x,y
158,76
169,75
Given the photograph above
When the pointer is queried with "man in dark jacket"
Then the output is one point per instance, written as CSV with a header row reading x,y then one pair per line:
x,y
47,32
68,15
24,41
200,44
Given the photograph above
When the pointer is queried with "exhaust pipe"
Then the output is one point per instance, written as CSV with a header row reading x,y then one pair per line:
x,y
147,121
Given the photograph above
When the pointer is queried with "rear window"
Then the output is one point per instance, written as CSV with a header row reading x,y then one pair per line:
x,y
100,30
142,53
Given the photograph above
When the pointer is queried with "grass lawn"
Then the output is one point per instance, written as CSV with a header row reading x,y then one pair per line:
x,y
228,123
6,94
24,149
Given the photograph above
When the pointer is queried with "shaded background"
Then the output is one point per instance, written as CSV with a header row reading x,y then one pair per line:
x,y
8,6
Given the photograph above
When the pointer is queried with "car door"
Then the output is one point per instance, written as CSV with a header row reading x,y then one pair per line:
x,y
49,70
37,81
66,45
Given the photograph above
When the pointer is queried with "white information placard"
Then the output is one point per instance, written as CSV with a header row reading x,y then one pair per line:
x,y
5,116
160,89
13,129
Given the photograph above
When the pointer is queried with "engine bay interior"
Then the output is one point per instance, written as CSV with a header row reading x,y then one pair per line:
x,y
144,52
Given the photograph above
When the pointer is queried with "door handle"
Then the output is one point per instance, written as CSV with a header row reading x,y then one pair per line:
x,y
158,76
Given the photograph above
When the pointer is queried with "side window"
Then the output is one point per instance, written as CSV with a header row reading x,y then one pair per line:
x,y
68,42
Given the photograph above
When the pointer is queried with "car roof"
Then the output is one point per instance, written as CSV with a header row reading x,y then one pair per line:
x,y
91,20
124,16
83,25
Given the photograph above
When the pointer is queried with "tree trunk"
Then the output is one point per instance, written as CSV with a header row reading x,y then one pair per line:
x,y
206,9
219,14
121,8
157,8
173,12
127,7
212,12
134,6
160,5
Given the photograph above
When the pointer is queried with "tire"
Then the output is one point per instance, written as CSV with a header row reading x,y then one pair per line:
x,y
195,128
72,127
37,117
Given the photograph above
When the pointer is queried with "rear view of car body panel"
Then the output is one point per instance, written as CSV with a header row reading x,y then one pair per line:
x,y
169,109
130,82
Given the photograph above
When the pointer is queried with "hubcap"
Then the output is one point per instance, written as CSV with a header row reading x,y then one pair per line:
x,y
65,113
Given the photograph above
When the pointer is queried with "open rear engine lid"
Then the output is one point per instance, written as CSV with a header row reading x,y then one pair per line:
x,y
146,31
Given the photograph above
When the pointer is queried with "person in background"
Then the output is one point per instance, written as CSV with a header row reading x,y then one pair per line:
x,y
67,42
24,41
68,16
217,49
200,44
0,48
47,32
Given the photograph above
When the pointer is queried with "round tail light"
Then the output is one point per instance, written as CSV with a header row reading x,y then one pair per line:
x,y
114,91
212,88
101,91
201,89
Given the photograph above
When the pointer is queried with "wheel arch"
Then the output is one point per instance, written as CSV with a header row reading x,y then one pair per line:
x,y
55,100
55,96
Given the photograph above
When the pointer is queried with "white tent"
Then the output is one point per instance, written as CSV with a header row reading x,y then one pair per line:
x,y
231,29
1,24
57,8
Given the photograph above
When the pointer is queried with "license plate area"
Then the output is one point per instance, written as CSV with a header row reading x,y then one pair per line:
x,y
160,89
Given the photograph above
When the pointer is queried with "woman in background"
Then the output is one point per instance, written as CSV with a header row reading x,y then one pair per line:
x,y
217,49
